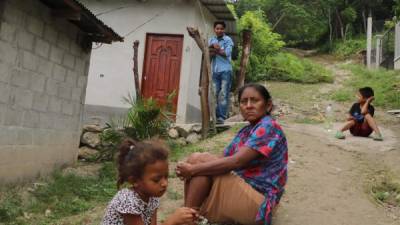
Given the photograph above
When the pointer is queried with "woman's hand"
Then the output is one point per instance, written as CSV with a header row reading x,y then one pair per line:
x,y
182,216
184,170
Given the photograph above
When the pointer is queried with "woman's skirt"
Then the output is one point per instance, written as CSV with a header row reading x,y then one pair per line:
x,y
231,200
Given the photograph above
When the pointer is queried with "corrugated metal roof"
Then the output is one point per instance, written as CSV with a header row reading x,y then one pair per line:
x,y
85,20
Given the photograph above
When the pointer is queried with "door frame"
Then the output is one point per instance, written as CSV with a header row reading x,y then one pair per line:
x,y
142,84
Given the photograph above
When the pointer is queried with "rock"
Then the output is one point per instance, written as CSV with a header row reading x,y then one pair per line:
x,y
173,133
181,141
92,128
183,130
91,139
196,128
86,153
193,138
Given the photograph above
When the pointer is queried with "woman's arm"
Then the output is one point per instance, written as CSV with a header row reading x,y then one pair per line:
x,y
130,219
218,166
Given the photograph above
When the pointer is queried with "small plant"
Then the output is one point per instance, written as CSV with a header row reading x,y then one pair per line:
x,y
386,190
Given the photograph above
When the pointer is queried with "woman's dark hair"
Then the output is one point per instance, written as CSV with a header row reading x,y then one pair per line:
x,y
259,88
366,92
134,156
220,23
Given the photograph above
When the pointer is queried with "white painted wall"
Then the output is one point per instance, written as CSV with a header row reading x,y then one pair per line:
x,y
115,61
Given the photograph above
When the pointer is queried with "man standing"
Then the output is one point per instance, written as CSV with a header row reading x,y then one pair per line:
x,y
221,49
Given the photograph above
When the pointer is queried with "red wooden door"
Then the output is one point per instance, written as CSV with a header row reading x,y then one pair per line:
x,y
162,67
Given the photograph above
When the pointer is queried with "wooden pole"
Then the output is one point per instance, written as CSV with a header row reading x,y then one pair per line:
x,y
201,42
245,57
203,92
136,68
369,42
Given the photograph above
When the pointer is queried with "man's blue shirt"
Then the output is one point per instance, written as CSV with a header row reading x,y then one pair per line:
x,y
222,63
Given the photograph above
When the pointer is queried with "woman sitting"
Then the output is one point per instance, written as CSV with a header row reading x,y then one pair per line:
x,y
246,184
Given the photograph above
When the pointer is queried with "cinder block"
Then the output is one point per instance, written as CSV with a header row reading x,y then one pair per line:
x,y
76,49
63,41
8,136
8,52
25,39
21,98
45,67
13,117
51,87
4,92
35,26
56,54
38,83
40,102
64,91
78,108
59,73
69,60
24,137
3,108
5,72
76,94
50,34
46,120
13,15
8,32
55,104
41,137
29,61
80,66
71,78
31,119
82,81
42,48
67,108
20,78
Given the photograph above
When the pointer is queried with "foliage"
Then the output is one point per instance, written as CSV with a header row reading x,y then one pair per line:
x,y
288,67
145,119
386,85
385,189
349,47
64,194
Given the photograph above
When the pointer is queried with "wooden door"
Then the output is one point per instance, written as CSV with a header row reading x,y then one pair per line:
x,y
162,67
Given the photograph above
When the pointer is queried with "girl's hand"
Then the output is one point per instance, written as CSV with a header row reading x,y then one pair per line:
x,y
184,170
182,216
370,99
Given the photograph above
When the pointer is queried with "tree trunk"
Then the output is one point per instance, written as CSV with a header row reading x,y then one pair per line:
x,y
245,57
330,28
203,92
136,69
201,42
341,27
364,21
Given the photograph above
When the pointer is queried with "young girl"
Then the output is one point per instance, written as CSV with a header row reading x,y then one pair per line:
x,y
144,166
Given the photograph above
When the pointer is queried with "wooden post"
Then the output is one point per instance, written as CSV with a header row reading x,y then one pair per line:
x,y
369,41
245,57
397,47
203,92
202,43
136,69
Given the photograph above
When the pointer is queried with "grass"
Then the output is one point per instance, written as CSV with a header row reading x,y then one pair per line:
x,y
385,189
347,48
386,84
60,196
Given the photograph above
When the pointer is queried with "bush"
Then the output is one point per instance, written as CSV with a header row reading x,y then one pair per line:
x,y
386,85
346,48
288,67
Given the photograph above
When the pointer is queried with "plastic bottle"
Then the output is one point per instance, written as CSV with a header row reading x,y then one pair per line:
x,y
329,118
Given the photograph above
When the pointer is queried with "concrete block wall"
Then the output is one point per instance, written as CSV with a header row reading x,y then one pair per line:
x,y
43,78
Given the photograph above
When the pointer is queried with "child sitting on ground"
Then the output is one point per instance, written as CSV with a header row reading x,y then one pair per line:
x,y
361,122
143,166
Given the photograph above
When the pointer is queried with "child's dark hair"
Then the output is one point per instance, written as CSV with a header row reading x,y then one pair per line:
x,y
220,23
259,88
135,156
366,92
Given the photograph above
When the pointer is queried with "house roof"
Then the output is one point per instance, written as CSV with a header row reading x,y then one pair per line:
x,y
221,11
84,19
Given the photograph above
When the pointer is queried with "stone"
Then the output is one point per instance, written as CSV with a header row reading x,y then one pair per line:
x,y
91,139
181,141
86,153
183,130
193,138
93,128
196,128
173,133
